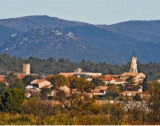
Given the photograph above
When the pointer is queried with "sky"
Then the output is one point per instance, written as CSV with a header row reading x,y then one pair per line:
x,y
90,11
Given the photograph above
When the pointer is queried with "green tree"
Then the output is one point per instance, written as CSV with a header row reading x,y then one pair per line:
x,y
12,100
38,108
3,87
58,80
50,59
113,91
17,84
78,101
154,100
129,83
97,82
61,60
145,84
45,92
117,113
137,98
11,78
28,79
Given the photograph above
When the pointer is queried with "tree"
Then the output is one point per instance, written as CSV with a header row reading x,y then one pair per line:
x,y
3,87
113,91
61,60
45,92
154,100
137,98
12,100
83,61
145,84
28,79
97,82
117,113
17,84
58,80
130,82
79,100
50,59
38,108
11,78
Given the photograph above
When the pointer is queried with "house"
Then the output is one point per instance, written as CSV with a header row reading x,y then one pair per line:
x,y
65,89
137,77
133,93
66,74
128,93
158,80
41,83
100,90
144,95
112,79
29,86
104,88
78,71
107,79
2,78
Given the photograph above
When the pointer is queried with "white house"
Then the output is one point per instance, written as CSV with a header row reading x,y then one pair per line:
x,y
41,83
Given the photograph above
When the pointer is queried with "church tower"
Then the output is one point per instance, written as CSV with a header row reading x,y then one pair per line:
x,y
134,65
26,69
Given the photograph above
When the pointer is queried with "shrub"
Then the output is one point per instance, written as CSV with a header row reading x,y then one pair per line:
x,y
12,100
38,108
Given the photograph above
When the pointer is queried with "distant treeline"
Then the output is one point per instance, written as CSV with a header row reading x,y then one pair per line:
x,y
52,66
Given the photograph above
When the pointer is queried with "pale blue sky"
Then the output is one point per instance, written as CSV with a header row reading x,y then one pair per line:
x,y
90,11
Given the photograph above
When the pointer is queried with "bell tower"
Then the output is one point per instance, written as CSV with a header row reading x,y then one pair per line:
x,y
26,69
134,65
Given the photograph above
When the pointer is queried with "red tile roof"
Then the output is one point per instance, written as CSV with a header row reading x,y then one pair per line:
x,y
66,74
107,78
38,81
95,91
2,78
21,76
102,88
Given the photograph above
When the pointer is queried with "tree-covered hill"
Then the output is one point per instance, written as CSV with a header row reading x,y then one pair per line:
x,y
43,36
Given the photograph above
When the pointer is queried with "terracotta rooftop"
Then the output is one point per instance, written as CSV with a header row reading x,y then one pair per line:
x,y
102,88
95,91
66,74
38,81
107,78
21,76
125,92
2,78
118,79
129,74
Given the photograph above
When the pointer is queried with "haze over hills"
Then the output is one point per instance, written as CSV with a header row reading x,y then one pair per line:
x,y
44,37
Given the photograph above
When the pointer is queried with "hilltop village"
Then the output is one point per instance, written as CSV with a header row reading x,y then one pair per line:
x,y
107,87
70,97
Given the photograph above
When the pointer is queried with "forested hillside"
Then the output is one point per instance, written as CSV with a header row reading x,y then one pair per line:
x,y
44,36
52,66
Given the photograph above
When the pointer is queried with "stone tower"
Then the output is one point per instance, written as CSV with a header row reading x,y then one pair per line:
x,y
134,65
26,69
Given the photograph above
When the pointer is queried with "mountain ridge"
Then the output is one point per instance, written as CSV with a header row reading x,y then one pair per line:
x,y
45,36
